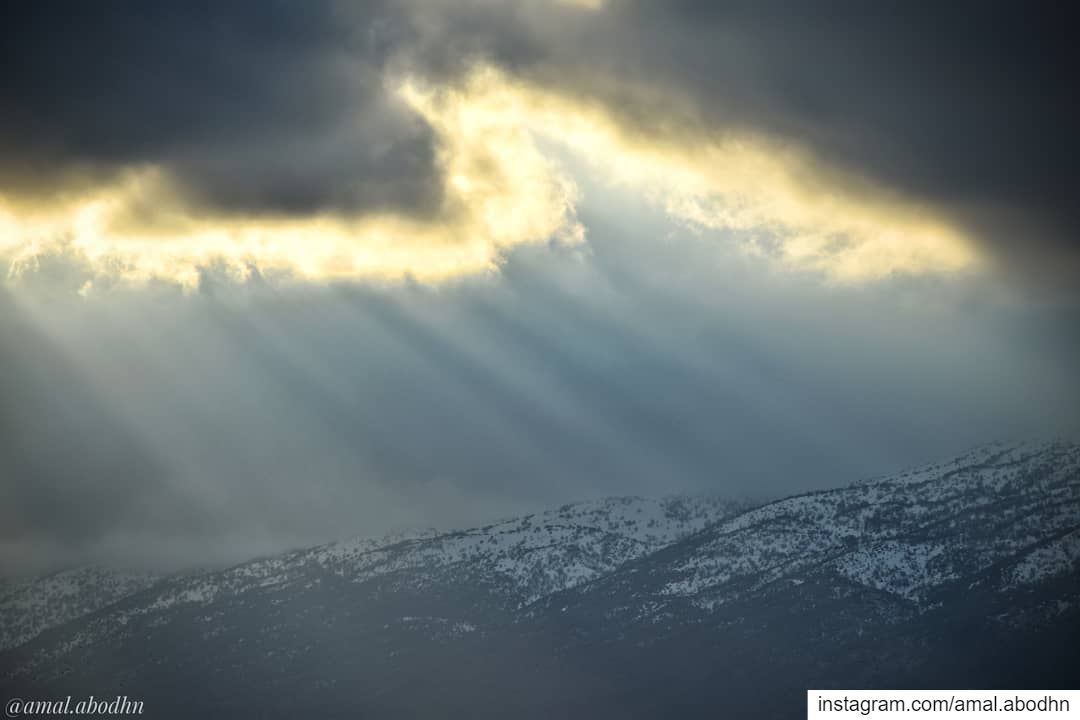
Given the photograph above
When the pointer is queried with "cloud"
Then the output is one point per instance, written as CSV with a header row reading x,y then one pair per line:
x,y
501,190
811,215
331,141
964,111
280,110
151,143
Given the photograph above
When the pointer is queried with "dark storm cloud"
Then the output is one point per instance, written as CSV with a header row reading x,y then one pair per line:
x,y
268,107
281,107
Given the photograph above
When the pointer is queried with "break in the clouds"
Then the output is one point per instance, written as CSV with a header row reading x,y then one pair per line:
x,y
356,140
963,111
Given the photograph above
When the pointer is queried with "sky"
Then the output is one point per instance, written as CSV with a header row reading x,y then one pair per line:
x,y
277,273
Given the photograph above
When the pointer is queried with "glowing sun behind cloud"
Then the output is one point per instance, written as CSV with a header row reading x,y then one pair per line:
x,y
500,190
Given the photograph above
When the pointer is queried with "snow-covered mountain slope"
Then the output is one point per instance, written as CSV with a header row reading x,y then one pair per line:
x,y
31,606
1001,517
539,554
522,559
518,560
962,574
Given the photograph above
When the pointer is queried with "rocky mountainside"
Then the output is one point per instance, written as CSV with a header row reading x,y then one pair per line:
x,y
963,574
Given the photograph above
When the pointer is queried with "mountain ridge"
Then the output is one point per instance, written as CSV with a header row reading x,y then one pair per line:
x,y
663,519
959,573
